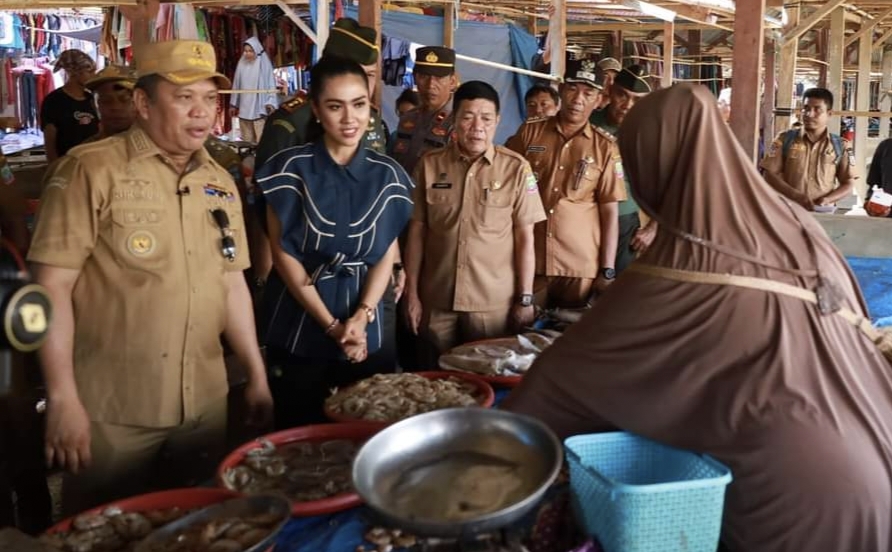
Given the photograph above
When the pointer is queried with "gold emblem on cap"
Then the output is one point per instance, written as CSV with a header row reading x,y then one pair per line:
x,y
588,65
431,57
141,243
197,50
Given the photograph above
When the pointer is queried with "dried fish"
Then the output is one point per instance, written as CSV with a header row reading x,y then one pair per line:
x,y
392,397
113,530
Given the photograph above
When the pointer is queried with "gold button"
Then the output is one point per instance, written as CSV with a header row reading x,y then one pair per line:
x,y
561,167
549,234
554,189
470,174
551,211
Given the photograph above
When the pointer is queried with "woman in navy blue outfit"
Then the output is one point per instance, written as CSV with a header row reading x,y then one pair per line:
x,y
334,211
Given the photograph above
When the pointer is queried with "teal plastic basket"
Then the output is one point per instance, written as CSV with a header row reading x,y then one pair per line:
x,y
635,495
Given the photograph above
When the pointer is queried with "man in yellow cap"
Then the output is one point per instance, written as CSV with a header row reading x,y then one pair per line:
x,y
288,126
140,244
113,88
430,125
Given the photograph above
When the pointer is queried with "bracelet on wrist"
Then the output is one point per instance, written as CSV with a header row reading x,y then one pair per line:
x,y
331,326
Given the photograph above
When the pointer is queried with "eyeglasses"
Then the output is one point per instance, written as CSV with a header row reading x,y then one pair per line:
x,y
227,242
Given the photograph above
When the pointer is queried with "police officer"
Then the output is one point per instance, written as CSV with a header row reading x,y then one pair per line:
x,y
581,180
430,125
629,86
141,246
470,256
811,166
288,125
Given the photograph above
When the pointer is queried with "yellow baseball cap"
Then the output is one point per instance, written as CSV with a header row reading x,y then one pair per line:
x,y
181,62
118,74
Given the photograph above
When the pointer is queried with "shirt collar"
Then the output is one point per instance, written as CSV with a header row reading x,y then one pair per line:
x,y
804,136
556,125
140,146
322,161
488,155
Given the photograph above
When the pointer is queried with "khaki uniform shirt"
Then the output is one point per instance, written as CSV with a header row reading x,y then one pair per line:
x,y
470,210
575,175
419,132
809,167
150,302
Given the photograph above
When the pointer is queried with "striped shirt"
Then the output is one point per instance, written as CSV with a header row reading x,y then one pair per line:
x,y
338,221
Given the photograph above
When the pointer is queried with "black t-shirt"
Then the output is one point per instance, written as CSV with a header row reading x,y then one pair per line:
x,y
75,120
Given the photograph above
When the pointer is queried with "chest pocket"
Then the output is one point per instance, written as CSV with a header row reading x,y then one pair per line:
x,y
582,182
214,236
141,238
442,207
829,158
495,209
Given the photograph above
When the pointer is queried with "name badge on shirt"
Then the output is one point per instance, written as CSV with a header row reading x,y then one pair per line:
x,y
441,185
537,149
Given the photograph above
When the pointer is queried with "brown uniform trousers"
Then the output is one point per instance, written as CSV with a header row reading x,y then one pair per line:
x,y
810,168
150,305
575,173
469,210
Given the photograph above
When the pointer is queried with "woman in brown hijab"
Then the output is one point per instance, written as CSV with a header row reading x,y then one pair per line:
x,y
797,403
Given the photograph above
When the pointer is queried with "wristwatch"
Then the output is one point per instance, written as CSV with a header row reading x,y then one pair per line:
x,y
369,312
608,273
525,299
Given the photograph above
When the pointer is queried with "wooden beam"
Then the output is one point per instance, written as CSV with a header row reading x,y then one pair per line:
x,y
812,20
885,86
618,35
862,103
868,28
747,64
557,34
290,14
835,53
634,27
370,16
668,47
449,25
681,41
883,39
722,37
786,73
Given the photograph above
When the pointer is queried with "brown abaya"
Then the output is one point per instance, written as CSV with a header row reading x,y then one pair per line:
x,y
797,403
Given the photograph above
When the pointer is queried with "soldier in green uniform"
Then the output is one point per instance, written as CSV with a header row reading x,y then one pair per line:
x,y
430,125
289,125
629,86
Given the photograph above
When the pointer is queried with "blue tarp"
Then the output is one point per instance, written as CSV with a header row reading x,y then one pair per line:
x,y
498,43
875,277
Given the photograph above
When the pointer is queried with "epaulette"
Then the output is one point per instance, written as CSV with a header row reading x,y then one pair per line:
x,y
295,102
535,119
604,133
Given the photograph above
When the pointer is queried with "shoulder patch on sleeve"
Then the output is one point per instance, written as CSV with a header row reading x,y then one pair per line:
x,y
284,124
530,183
604,133
294,103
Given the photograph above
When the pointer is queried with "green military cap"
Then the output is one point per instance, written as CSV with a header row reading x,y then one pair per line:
x,y
436,61
634,79
584,71
181,62
610,64
348,39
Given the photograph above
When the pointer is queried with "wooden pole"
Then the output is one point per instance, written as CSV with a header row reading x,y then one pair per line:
x,y
885,87
835,53
749,30
768,93
323,22
557,35
370,16
668,47
619,45
867,28
787,71
813,19
865,49
449,25
694,40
